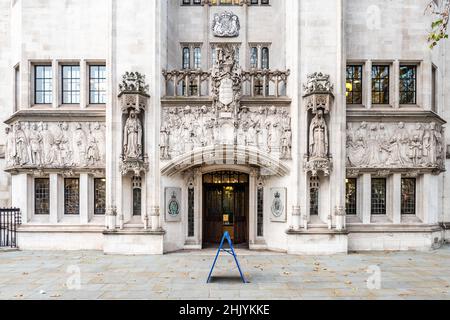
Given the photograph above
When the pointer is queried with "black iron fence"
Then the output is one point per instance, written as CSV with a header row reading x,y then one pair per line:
x,y
10,219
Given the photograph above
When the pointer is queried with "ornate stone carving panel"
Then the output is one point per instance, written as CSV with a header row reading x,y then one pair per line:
x,y
186,128
226,24
395,145
55,145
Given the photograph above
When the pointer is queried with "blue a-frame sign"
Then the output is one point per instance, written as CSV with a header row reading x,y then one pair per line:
x,y
226,236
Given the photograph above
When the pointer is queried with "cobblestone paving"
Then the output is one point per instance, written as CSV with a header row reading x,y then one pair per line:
x,y
55,275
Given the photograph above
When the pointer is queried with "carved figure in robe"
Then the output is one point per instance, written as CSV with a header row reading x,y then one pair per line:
x,y
132,145
399,145
435,146
64,147
9,147
261,128
210,124
273,125
79,139
286,144
99,136
251,139
35,145
384,144
164,143
373,146
416,145
92,151
318,137
357,153
20,145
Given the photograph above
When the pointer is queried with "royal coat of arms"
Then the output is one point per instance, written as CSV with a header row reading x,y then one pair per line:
x,y
226,24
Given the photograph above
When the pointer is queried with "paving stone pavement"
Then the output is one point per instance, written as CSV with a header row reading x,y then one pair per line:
x,y
182,275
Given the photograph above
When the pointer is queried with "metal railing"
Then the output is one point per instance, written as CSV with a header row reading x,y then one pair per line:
x,y
10,219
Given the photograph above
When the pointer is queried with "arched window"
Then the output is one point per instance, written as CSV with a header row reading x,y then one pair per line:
x,y
265,58
314,186
137,196
186,58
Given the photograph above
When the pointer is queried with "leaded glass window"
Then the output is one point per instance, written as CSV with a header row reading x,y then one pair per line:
x,y
70,84
380,84
41,196
354,84
97,84
265,62
254,57
260,212
137,196
314,186
408,84
408,196
71,196
191,206
378,205
186,58
43,85
197,58
99,196
350,196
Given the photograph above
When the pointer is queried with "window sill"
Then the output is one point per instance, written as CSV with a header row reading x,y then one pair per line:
x,y
380,219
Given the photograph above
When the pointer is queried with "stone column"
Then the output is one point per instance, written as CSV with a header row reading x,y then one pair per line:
x,y
85,195
22,195
366,182
298,117
113,123
253,205
84,84
56,197
153,180
396,194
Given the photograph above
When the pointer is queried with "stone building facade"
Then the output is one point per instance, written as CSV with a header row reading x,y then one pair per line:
x,y
145,127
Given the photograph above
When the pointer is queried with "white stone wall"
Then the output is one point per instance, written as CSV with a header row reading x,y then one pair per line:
x,y
5,96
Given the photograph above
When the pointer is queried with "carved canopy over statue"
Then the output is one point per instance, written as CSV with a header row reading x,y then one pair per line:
x,y
134,96
318,98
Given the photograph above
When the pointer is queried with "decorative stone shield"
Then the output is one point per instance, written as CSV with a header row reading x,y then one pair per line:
x,y
226,91
226,24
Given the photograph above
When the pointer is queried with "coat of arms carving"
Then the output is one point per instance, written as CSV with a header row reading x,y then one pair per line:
x,y
226,24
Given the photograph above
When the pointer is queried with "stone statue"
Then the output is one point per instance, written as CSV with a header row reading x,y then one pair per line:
x,y
36,145
9,147
164,143
20,153
132,135
286,144
318,137
79,144
92,151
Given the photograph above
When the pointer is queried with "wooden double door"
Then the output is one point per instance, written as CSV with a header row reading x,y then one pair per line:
x,y
225,208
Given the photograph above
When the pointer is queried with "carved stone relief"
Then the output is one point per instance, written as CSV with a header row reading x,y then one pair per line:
x,y
55,145
226,24
185,128
395,145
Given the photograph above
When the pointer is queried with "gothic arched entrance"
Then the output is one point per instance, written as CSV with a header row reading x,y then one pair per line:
x,y
225,206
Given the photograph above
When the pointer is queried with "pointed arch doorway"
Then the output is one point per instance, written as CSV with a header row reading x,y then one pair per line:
x,y
225,207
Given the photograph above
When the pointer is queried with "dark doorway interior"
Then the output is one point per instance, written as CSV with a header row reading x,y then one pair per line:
x,y
225,207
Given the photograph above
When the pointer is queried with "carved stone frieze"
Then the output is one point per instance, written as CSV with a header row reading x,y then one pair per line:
x,y
184,129
55,145
226,24
395,145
